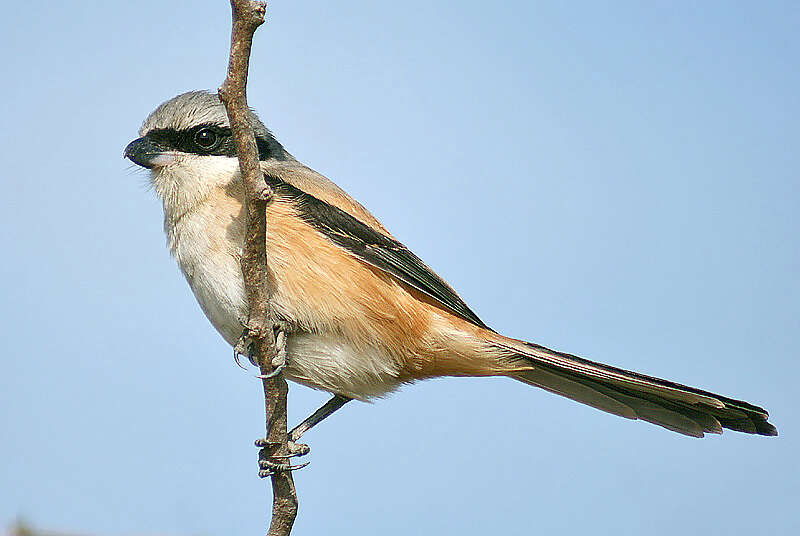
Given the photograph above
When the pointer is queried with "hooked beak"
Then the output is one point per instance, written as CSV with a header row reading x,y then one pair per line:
x,y
146,153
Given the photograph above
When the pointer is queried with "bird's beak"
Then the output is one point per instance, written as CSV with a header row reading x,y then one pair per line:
x,y
147,154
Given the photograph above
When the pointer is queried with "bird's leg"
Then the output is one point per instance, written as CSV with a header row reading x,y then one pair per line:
x,y
327,409
267,467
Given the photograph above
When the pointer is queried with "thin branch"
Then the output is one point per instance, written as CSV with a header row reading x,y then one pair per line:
x,y
260,330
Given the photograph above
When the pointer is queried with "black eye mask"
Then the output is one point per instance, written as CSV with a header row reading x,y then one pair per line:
x,y
211,139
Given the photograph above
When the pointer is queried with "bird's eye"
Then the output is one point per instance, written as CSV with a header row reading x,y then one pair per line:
x,y
206,138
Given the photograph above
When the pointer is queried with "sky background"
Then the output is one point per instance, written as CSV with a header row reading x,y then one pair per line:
x,y
617,180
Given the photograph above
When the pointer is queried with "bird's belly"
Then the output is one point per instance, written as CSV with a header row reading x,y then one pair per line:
x,y
330,363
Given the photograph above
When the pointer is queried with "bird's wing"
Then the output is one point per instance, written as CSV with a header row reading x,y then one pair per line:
x,y
373,247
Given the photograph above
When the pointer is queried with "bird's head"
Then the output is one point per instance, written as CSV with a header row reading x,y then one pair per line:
x,y
187,145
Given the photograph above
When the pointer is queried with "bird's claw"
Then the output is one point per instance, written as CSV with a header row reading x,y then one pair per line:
x,y
269,468
279,359
245,346
269,465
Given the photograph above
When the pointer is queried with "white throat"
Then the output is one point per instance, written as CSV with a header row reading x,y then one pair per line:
x,y
187,182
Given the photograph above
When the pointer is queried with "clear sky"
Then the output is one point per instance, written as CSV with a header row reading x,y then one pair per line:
x,y
614,179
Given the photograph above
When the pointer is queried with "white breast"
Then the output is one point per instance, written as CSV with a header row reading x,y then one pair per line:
x,y
210,264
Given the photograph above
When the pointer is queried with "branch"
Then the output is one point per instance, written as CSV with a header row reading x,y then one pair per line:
x,y
260,329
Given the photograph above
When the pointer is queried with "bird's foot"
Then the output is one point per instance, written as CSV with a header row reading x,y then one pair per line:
x,y
295,449
246,346
279,359
270,464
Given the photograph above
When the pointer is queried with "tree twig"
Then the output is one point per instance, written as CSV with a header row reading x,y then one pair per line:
x,y
247,17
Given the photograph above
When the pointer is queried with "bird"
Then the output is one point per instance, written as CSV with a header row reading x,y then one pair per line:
x,y
362,314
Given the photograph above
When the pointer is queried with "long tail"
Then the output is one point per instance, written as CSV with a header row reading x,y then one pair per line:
x,y
676,407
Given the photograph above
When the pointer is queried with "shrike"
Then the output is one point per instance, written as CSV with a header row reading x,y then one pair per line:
x,y
364,315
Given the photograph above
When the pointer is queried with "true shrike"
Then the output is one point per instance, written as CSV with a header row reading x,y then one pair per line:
x,y
363,314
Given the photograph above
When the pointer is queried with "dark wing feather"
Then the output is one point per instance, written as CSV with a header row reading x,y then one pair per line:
x,y
374,248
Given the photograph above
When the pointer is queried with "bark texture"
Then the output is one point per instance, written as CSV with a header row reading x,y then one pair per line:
x,y
261,326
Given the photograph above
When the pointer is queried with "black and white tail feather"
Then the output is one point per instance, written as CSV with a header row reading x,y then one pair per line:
x,y
628,394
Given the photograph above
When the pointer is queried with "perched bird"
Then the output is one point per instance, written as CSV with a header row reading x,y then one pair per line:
x,y
363,314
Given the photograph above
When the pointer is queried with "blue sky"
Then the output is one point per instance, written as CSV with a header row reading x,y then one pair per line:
x,y
617,180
